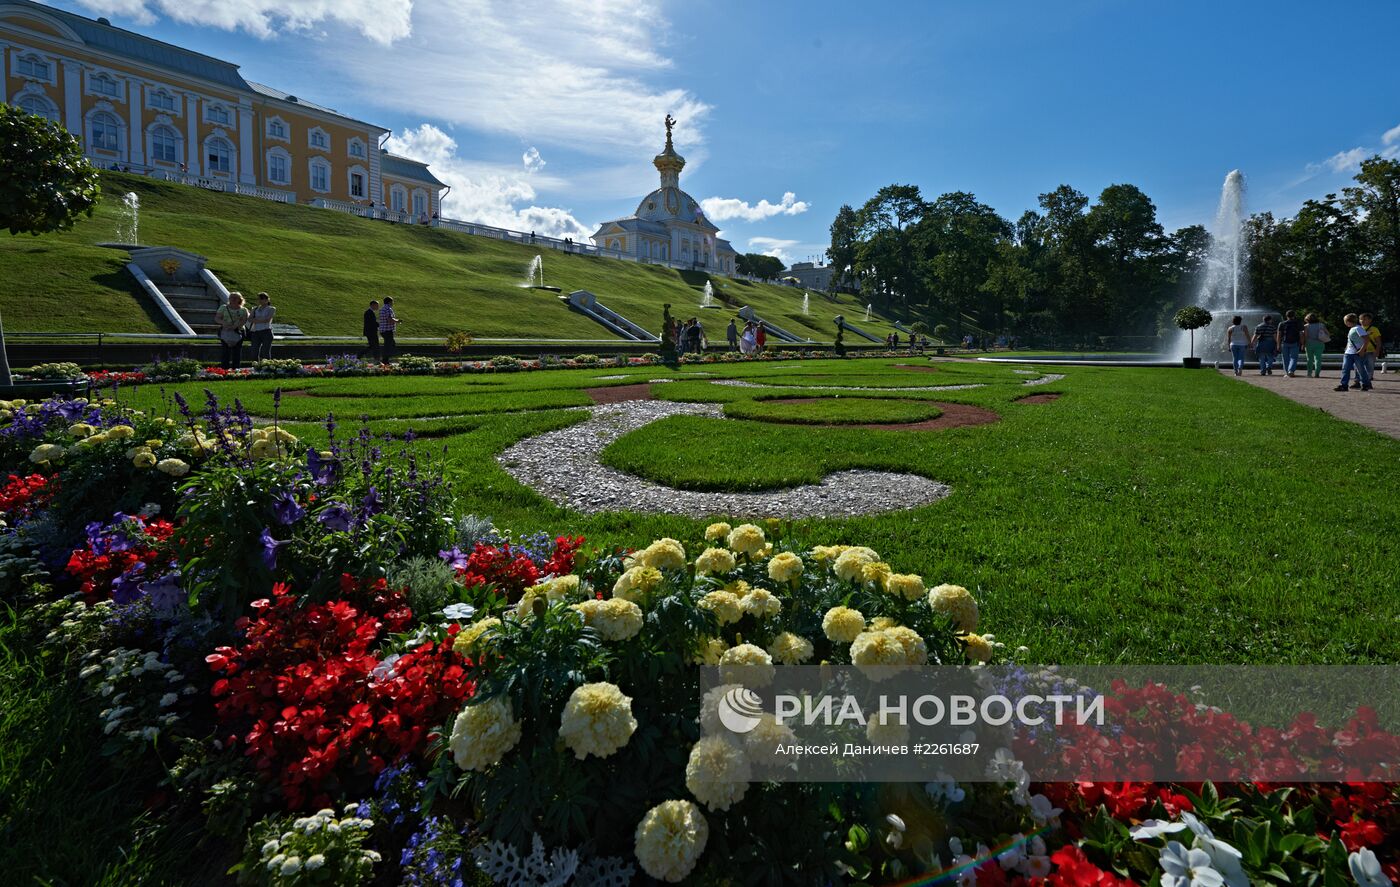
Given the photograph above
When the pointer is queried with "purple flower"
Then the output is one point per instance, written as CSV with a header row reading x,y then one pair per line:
x,y
322,470
455,557
335,517
270,549
126,588
288,510
372,504
164,593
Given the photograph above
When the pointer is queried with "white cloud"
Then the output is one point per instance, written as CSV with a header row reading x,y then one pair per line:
x,y
773,246
1346,161
554,73
1392,136
532,159
383,21
490,194
720,209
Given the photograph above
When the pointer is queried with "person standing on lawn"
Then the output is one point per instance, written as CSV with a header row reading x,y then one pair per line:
x,y
388,323
1237,340
732,334
233,321
371,329
1265,344
260,327
1315,339
1373,346
761,337
1352,358
1290,339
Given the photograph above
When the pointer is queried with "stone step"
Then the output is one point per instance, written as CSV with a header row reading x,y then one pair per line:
x,y
178,289
193,301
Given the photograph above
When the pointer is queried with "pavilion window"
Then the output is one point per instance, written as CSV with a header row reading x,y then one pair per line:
x,y
105,132
29,66
164,145
220,155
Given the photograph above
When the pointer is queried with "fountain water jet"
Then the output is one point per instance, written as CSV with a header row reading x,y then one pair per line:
x,y
868,309
534,273
707,299
128,220
806,304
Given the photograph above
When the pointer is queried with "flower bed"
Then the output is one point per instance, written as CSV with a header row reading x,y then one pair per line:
x,y
355,684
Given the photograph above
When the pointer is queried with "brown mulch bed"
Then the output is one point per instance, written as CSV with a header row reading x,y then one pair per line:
x,y
619,393
300,392
919,369
955,415
1038,398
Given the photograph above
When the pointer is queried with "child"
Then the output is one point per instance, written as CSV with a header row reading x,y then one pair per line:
x,y
1356,346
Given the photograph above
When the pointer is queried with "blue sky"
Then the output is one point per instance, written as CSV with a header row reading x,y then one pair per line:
x,y
545,115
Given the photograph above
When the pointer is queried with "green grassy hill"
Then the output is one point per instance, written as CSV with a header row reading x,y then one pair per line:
x,y
322,267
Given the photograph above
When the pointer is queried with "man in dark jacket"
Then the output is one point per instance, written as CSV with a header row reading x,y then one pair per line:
x,y
372,329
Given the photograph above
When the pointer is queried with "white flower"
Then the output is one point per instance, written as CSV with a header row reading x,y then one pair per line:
x,y
1366,869
1043,811
456,613
1223,857
1004,767
168,700
1037,866
314,861
1153,828
1187,868
944,789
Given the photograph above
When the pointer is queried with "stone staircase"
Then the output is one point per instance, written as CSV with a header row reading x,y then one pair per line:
x,y
194,302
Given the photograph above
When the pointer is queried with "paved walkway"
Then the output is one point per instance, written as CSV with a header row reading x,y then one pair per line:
x,y
1378,409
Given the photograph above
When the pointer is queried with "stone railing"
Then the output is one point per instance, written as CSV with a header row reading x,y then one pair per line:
x,y
229,186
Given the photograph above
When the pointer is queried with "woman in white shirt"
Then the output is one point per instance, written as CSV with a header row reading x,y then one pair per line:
x,y
260,327
1237,340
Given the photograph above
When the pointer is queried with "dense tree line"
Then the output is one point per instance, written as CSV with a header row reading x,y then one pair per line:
x,y
1074,270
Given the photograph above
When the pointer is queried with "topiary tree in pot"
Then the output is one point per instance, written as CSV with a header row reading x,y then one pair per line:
x,y
1192,318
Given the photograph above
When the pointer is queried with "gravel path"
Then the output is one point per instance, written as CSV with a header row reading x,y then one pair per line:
x,y
1378,409
563,466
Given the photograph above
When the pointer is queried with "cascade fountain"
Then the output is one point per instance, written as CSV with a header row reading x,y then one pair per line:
x,y
534,273
1224,290
128,219
806,304
868,309
707,299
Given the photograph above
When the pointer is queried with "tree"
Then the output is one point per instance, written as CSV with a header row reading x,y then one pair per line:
x,y
758,265
1375,199
1192,318
845,238
886,263
45,181
960,236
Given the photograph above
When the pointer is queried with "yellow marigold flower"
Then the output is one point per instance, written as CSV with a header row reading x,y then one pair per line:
x,y
46,453
155,443
473,638
81,429
915,650
121,432
762,742
875,653
714,561
877,574
746,539
849,566
145,459
760,603
977,648
785,567
670,839
615,619
825,554
905,585
483,733
709,708
716,532
842,624
885,729
564,586
748,665
880,623
663,554
173,467
724,605
738,587
710,651
790,649
637,582
94,440
717,773
597,720
957,604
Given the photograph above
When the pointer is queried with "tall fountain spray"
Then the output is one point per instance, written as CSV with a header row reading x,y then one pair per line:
x,y
707,298
1224,290
868,309
534,273
806,304
128,220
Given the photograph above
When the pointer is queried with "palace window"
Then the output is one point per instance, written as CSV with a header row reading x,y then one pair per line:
x,y
357,184
420,204
357,148
398,200
278,169
317,138
39,106
320,175
218,155
104,134
161,100
165,145
33,66
103,85
276,129
216,114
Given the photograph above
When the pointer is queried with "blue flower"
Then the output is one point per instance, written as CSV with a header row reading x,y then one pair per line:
x,y
164,593
335,517
288,510
372,504
270,548
455,557
322,470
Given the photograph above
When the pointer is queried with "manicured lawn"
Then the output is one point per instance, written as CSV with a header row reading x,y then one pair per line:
x,y
323,267
832,410
1148,515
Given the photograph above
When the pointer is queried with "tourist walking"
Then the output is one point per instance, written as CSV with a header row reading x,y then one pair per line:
x,y
749,340
697,336
260,327
1290,339
732,334
233,323
760,336
1266,344
1315,339
1237,341
371,329
1352,357
388,323
1373,346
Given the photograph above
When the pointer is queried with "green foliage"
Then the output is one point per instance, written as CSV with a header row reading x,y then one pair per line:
x,y
1192,317
758,265
319,849
458,341
415,363
427,582
46,183
835,411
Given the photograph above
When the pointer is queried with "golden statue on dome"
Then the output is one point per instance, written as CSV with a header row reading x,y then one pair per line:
x,y
670,122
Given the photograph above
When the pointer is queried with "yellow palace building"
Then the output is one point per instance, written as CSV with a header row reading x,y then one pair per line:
x,y
149,107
